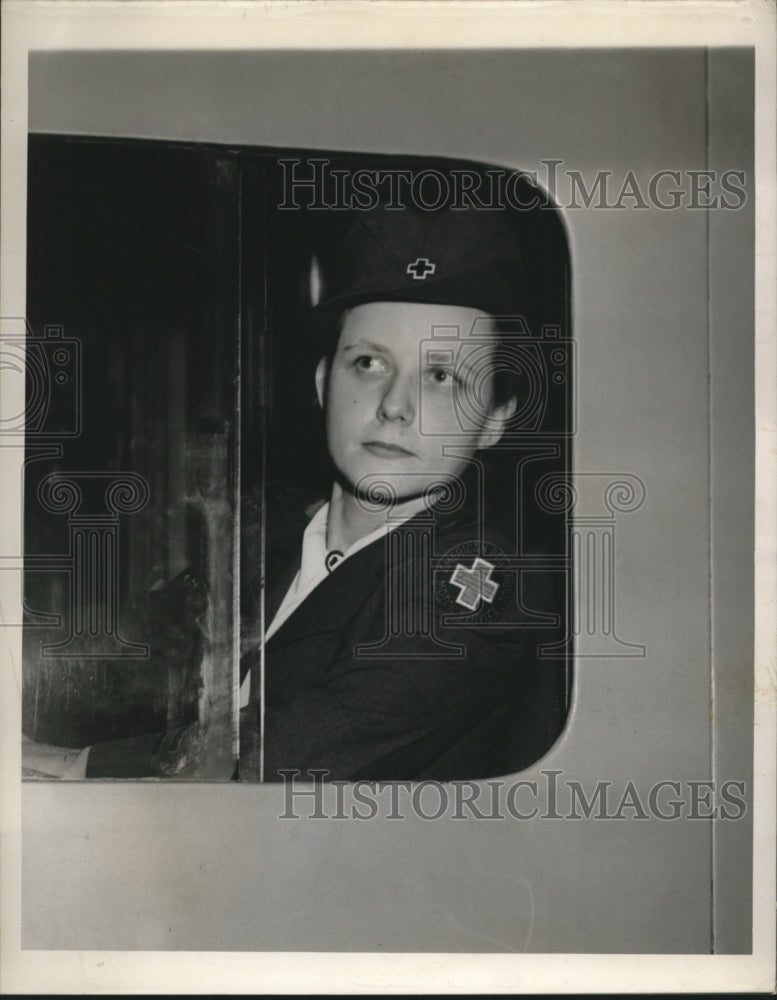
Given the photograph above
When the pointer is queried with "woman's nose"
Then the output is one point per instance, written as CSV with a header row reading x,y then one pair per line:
x,y
398,402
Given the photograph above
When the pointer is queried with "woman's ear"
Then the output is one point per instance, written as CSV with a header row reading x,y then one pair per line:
x,y
321,374
498,419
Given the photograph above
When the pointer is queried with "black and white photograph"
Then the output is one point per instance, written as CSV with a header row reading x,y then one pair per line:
x,y
387,561
273,425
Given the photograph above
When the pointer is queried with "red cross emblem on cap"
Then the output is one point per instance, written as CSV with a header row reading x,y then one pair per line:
x,y
421,268
474,584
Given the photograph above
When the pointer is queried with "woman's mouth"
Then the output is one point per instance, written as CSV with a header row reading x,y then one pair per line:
x,y
385,450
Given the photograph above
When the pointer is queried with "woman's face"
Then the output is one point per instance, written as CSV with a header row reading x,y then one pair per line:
x,y
408,385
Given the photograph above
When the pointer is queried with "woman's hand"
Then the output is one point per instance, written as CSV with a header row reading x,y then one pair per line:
x,y
41,760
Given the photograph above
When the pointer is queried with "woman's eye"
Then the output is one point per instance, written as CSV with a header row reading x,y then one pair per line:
x,y
443,376
369,363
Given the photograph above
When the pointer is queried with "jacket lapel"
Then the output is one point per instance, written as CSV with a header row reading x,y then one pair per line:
x,y
334,602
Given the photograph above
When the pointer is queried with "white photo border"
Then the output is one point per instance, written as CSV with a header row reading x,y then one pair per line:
x,y
142,24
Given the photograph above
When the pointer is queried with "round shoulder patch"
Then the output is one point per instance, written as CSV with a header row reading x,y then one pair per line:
x,y
471,583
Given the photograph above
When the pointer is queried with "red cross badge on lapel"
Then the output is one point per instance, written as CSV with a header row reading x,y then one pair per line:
x,y
474,584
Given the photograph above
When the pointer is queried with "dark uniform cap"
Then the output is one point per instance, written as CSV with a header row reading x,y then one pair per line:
x,y
465,258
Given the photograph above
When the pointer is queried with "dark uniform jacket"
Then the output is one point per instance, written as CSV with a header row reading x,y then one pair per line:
x,y
414,658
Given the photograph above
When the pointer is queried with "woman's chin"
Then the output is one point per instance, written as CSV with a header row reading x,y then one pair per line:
x,y
387,491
